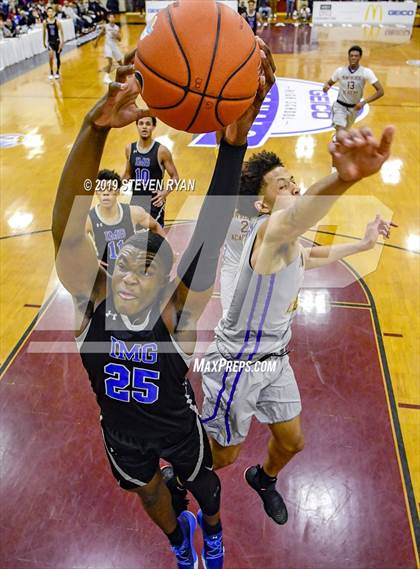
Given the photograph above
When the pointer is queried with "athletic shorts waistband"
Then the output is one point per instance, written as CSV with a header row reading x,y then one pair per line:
x,y
347,105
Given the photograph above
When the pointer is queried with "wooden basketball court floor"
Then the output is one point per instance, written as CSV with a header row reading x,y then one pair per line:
x,y
353,493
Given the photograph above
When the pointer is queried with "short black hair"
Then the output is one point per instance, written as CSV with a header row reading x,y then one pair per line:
x,y
109,175
154,120
356,48
155,244
252,176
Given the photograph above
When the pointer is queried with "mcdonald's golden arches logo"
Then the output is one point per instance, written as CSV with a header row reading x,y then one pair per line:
x,y
374,13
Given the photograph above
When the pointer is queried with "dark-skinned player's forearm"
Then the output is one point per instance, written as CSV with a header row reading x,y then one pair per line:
x,y
82,164
198,265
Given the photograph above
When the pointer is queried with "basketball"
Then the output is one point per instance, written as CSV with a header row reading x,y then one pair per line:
x,y
199,64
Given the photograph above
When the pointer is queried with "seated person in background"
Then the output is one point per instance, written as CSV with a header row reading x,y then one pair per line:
x,y
10,26
4,30
242,7
265,12
110,223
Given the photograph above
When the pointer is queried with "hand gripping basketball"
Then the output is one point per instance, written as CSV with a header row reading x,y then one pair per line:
x,y
199,62
237,132
118,107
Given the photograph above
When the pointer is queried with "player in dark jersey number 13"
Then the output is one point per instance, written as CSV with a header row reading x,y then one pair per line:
x,y
135,343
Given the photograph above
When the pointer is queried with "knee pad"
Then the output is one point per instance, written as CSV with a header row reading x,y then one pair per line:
x,y
206,490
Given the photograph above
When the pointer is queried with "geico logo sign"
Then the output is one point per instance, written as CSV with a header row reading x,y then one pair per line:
x,y
400,12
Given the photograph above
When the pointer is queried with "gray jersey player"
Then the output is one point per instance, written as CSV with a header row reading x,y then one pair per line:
x,y
256,328
242,222
352,79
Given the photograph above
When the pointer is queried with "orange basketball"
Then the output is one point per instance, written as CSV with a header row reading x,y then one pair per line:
x,y
199,63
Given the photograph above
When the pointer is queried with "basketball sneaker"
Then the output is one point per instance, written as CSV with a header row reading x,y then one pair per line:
x,y
213,550
56,76
185,553
178,493
50,76
272,500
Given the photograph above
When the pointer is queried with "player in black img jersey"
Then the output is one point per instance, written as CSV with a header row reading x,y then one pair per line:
x,y
136,339
110,223
146,163
53,40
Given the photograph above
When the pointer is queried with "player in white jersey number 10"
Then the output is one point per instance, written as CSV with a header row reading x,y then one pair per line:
x,y
352,79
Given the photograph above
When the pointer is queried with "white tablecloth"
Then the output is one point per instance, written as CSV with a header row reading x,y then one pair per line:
x,y
27,45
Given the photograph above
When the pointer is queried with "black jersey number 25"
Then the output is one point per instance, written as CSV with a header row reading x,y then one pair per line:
x,y
124,386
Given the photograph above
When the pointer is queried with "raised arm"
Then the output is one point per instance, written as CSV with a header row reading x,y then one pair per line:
x,y
76,262
320,256
198,265
357,154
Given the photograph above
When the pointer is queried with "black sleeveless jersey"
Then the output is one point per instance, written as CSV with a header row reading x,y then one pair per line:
x,y
109,239
144,168
52,31
138,376
252,21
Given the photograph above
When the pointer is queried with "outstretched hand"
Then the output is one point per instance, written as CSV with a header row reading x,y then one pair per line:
x,y
357,154
236,133
118,107
376,228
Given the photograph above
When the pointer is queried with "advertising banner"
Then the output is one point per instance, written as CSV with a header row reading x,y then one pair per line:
x,y
154,6
373,13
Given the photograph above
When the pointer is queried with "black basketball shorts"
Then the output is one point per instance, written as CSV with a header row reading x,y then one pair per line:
x,y
54,46
134,461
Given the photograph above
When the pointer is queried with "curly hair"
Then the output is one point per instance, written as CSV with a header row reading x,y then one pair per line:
x,y
356,48
105,174
252,177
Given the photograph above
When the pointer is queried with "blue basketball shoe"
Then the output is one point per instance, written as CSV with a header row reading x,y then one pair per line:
x,y
185,553
213,550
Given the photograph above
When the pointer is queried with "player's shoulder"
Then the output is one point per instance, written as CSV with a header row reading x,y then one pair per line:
x,y
367,70
162,149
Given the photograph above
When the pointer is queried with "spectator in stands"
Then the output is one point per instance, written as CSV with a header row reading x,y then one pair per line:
x,y
11,26
265,11
112,6
4,30
70,11
242,7
290,4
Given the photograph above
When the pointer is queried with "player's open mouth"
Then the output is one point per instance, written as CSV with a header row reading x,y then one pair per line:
x,y
126,295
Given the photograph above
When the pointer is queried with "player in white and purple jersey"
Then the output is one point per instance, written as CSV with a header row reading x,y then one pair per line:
x,y
256,327
352,80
